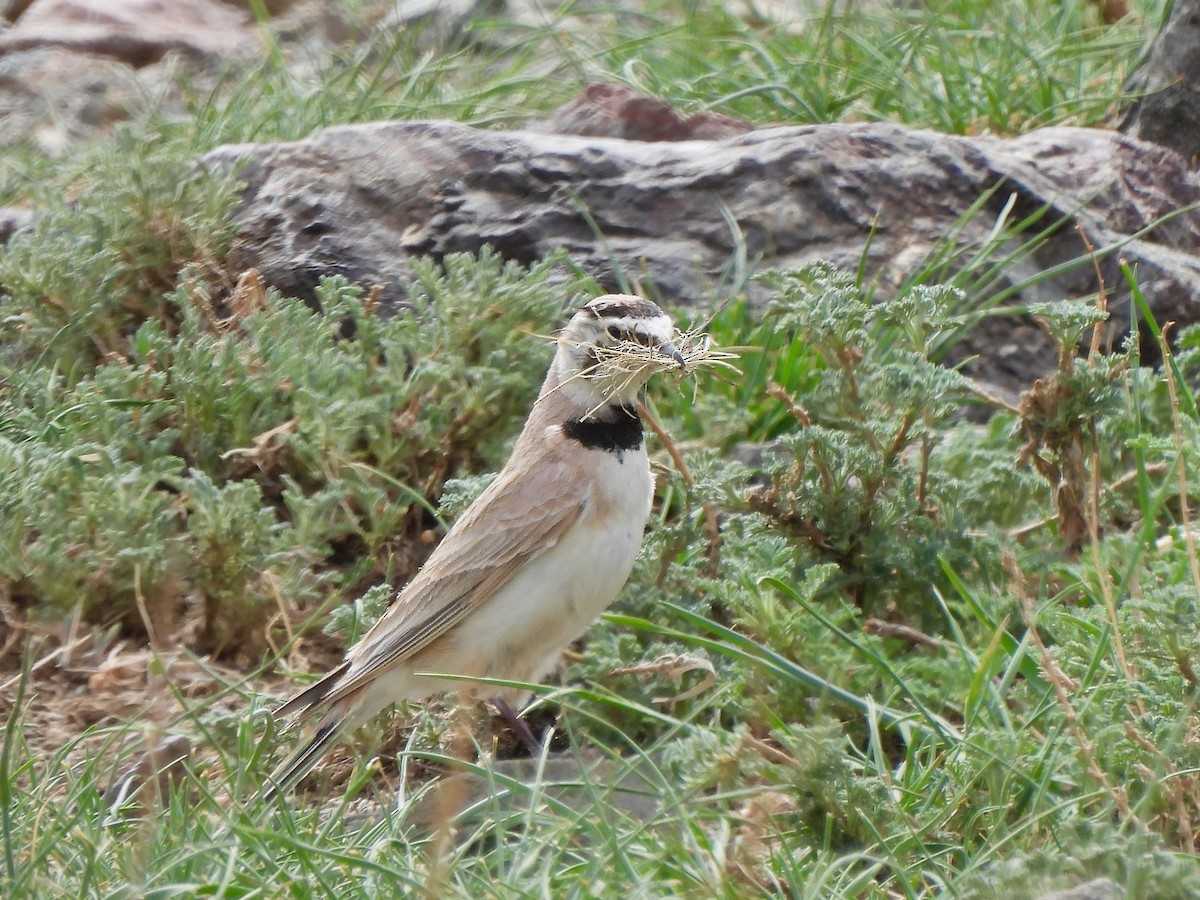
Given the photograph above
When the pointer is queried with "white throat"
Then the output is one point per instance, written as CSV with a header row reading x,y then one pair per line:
x,y
587,394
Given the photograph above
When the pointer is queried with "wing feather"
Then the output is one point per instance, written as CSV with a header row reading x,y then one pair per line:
x,y
520,516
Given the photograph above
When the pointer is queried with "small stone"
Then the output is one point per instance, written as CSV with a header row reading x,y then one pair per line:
x,y
613,110
12,220
53,97
1167,86
163,765
138,32
437,22
1097,889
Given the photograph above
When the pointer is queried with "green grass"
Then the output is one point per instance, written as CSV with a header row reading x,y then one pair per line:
x,y
962,66
947,659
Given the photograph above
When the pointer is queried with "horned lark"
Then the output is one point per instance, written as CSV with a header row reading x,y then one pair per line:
x,y
536,558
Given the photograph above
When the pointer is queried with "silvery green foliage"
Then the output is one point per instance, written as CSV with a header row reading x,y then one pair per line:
x,y
215,466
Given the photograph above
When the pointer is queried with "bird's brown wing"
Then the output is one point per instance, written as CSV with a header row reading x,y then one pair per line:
x,y
520,516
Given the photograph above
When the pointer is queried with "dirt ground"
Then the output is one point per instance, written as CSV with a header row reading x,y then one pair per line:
x,y
118,698
84,691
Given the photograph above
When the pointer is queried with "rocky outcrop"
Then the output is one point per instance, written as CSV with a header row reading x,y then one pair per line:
x,y
134,31
1021,219
1167,86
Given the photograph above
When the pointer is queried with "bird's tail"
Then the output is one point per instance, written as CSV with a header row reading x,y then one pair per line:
x,y
332,723
309,699
296,766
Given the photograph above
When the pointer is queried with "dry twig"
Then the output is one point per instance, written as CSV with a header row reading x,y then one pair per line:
x,y
712,526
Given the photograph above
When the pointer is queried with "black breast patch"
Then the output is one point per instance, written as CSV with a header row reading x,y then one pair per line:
x,y
619,429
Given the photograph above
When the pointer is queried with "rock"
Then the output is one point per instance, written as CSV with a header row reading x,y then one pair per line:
x,y
613,110
438,21
311,31
272,7
163,765
52,97
689,220
68,73
11,10
138,32
1168,113
1097,889
801,14
12,220
577,782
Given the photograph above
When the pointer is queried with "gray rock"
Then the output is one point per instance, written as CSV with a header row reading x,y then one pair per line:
x,y
800,14
164,765
690,220
438,21
69,71
1097,889
12,220
11,10
567,780
613,110
51,97
1168,113
571,781
138,32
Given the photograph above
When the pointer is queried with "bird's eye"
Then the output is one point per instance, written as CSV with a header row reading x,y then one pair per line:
x,y
614,332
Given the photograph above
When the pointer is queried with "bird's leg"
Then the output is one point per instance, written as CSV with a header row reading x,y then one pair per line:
x,y
518,725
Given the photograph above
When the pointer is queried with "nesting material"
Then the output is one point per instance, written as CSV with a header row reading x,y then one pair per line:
x,y
628,362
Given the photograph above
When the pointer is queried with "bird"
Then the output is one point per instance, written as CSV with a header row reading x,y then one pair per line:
x,y
535,559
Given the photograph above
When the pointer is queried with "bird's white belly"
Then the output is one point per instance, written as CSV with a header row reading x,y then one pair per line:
x,y
520,631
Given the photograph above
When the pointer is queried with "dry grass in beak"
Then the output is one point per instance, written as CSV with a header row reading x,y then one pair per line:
x,y
628,363
687,352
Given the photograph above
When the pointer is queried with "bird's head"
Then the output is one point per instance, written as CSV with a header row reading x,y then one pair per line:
x,y
612,346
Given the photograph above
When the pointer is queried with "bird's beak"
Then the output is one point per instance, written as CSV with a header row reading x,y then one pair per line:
x,y
666,348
